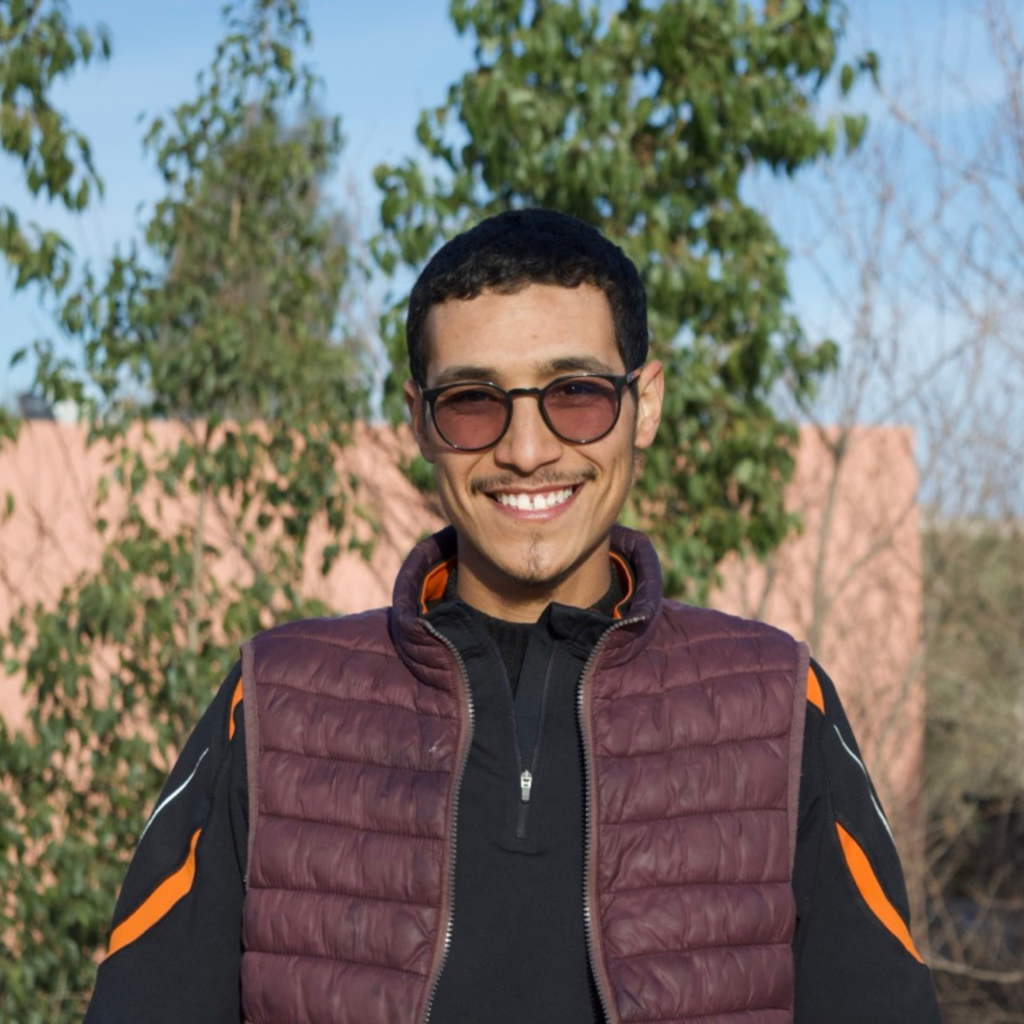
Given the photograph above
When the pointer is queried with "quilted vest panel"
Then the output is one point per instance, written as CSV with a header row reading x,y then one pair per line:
x,y
351,762
695,745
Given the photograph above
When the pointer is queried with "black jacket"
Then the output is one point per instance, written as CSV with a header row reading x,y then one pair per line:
x,y
183,966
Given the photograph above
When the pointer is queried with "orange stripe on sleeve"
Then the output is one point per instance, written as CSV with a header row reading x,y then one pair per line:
x,y
814,694
158,903
870,888
236,699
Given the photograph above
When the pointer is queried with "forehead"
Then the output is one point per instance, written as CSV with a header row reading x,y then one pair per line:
x,y
541,330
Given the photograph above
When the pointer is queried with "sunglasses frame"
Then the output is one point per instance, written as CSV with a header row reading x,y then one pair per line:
x,y
620,381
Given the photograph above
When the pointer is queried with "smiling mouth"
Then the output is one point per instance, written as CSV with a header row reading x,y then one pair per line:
x,y
536,501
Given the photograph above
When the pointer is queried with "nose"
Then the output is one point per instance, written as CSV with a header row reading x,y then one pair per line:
x,y
528,443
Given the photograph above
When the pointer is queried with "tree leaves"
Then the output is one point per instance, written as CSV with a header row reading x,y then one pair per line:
x,y
220,378
39,45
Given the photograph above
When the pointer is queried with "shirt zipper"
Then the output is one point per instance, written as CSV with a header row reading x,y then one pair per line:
x,y
527,776
600,982
525,782
463,760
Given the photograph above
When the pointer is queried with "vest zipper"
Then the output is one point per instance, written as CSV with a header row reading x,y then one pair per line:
x,y
464,758
601,981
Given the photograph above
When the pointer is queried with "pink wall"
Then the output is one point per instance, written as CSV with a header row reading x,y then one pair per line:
x,y
850,582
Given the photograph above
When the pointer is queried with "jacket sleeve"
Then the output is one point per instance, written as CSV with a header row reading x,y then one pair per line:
x,y
175,943
854,955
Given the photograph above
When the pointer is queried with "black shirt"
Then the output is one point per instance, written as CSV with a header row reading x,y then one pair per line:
x,y
519,946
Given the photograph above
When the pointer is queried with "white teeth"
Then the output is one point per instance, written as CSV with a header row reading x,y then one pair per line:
x,y
534,502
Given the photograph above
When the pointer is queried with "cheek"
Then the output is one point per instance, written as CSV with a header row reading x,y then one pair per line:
x,y
443,484
617,465
451,478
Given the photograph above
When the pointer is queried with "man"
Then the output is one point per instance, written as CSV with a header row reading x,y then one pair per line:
x,y
532,789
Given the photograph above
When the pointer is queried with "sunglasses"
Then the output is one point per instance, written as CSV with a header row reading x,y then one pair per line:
x,y
578,410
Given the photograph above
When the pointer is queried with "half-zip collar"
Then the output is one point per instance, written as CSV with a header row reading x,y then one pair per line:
x,y
423,576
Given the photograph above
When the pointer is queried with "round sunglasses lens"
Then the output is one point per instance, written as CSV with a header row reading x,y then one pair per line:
x,y
470,417
582,409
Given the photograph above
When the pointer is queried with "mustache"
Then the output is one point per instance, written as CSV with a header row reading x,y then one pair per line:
x,y
503,481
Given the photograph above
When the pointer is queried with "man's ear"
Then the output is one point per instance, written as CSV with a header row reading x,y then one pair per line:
x,y
650,390
417,417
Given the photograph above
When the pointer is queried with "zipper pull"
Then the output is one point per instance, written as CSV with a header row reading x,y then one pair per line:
x,y
525,783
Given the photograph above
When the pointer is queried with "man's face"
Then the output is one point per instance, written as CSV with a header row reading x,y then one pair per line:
x,y
513,560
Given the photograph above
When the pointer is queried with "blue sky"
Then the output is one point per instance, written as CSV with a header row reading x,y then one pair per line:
x,y
381,64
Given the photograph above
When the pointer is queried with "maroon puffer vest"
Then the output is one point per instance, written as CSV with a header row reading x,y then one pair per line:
x,y
357,730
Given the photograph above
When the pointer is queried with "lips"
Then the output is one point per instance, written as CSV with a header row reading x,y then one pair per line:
x,y
534,501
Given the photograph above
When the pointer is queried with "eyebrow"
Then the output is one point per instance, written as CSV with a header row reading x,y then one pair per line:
x,y
565,364
577,364
454,374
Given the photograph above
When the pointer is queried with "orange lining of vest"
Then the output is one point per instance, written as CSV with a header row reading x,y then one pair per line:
x,y
814,694
236,699
436,580
158,903
871,890
434,583
625,580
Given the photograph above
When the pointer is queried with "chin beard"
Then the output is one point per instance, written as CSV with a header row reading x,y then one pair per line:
x,y
533,575
537,580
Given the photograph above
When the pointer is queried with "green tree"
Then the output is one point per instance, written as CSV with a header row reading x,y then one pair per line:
x,y
218,373
40,46
644,120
